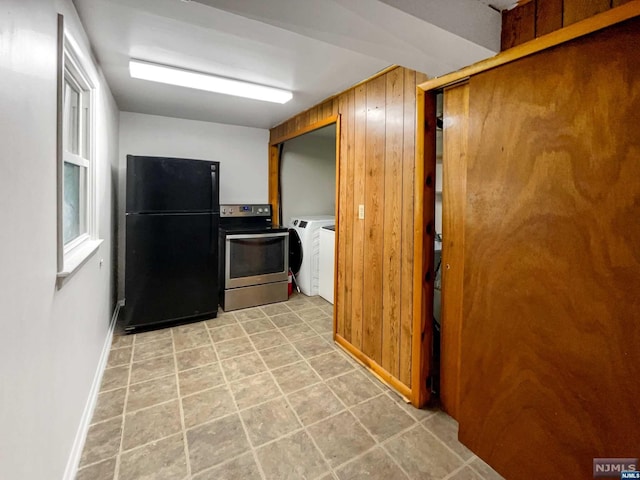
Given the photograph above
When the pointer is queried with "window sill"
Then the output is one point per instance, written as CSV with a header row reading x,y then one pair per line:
x,y
76,258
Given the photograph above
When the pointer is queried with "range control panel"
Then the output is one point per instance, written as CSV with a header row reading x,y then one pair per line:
x,y
251,210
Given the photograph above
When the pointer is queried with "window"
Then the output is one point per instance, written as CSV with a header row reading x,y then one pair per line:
x,y
77,239
76,140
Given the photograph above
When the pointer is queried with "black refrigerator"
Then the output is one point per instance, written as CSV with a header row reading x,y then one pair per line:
x,y
171,246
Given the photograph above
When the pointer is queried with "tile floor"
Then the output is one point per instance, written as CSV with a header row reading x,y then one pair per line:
x,y
261,393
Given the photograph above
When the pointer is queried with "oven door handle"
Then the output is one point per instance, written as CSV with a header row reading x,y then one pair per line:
x,y
241,236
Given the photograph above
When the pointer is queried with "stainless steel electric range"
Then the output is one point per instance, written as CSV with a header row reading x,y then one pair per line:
x,y
254,257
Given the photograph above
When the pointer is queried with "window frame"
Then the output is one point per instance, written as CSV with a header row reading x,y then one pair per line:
x,y
75,68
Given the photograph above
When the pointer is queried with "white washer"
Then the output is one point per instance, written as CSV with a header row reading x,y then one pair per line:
x,y
326,277
308,229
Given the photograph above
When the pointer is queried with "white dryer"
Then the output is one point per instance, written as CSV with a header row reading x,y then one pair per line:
x,y
307,246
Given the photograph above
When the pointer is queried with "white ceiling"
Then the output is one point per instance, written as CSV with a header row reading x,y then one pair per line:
x,y
315,48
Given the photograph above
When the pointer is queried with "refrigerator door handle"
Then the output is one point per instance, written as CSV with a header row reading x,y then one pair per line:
x,y
214,236
213,187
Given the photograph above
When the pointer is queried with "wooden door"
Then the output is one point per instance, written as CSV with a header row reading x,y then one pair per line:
x,y
550,352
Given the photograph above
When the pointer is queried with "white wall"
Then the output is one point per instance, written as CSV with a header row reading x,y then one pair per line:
x,y
308,175
51,340
241,151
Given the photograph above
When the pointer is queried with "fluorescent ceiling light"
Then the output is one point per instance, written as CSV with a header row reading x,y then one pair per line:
x,y
203,81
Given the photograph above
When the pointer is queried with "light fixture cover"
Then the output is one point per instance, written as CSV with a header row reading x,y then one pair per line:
x,y
203,81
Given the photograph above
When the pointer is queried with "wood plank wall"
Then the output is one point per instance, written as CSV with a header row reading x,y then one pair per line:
x,y
550,356
538,17
375,265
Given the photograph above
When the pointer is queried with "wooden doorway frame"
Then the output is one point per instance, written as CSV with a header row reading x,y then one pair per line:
x,y
274,167
274,185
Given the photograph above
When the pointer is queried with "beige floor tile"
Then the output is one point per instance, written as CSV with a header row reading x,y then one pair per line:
x,y
446,429
110,404
298,332
382,417
249,314
150,369
271,338
296,304
328,476
331,364
340,438
313,346
115,377
227,332
422,455
280,356
295,376
466,474
240,468
218,444
253,390
189,328
315,403
161,460
374,465
353,387
417,413
119,356
196,357
312,313
157,348
152,392
258,326
269,421
100,471
275,308
284,320
152,336
243,366
328,337
233,348
321,325
484,470
187,339
149,424
222,319
319,301
201,378
122,340
215,442
103,441
292,458
207,405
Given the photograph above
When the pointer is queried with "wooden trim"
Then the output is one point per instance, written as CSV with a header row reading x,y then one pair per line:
x,y
384,376
454,196
336,228
301,131
576,30
274,175
417,391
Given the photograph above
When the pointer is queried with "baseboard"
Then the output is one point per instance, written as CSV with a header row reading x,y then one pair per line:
x,y
78,444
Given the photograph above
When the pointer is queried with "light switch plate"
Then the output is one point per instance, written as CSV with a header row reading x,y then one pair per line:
x,y
361,212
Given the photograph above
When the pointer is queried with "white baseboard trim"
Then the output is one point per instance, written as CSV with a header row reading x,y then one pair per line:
x,y
73,461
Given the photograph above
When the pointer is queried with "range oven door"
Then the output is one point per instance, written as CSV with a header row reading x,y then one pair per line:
x,y
256,258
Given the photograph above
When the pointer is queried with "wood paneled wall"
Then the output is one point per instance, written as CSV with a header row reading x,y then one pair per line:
x,y
535,18
374,297
550,356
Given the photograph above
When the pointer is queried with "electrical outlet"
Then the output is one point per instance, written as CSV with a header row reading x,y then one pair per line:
x,y
361,212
